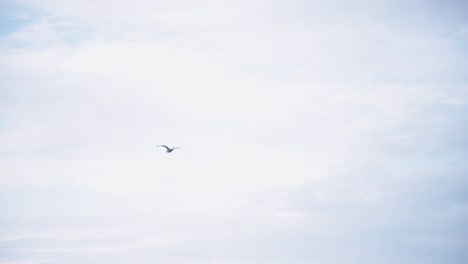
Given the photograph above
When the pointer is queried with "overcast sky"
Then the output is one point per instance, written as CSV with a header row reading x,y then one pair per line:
x,y
316,131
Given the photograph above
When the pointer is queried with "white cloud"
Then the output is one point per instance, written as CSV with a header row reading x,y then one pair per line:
x,y
302,121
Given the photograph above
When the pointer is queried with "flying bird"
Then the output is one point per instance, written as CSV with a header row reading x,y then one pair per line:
x,y
168,149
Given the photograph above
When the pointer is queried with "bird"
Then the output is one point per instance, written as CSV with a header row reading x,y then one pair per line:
x,y
168,149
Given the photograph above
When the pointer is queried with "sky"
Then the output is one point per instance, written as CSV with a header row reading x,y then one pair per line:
x,y
316,131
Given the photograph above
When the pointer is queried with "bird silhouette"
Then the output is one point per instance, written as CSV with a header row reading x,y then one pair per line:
x,y
168,149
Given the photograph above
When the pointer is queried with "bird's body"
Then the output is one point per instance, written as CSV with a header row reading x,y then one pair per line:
x,y
168,149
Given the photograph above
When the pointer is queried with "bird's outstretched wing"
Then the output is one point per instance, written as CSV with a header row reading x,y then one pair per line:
x,y
163,146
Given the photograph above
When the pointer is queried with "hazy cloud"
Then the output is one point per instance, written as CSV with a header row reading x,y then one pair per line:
x,y
310,131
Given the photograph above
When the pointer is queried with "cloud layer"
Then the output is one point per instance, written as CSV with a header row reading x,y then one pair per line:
x,y
306,128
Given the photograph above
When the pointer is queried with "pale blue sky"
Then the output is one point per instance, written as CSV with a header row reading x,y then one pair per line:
x,y
311,132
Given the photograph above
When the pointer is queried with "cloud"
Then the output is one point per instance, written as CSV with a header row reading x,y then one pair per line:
x,y
306,128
